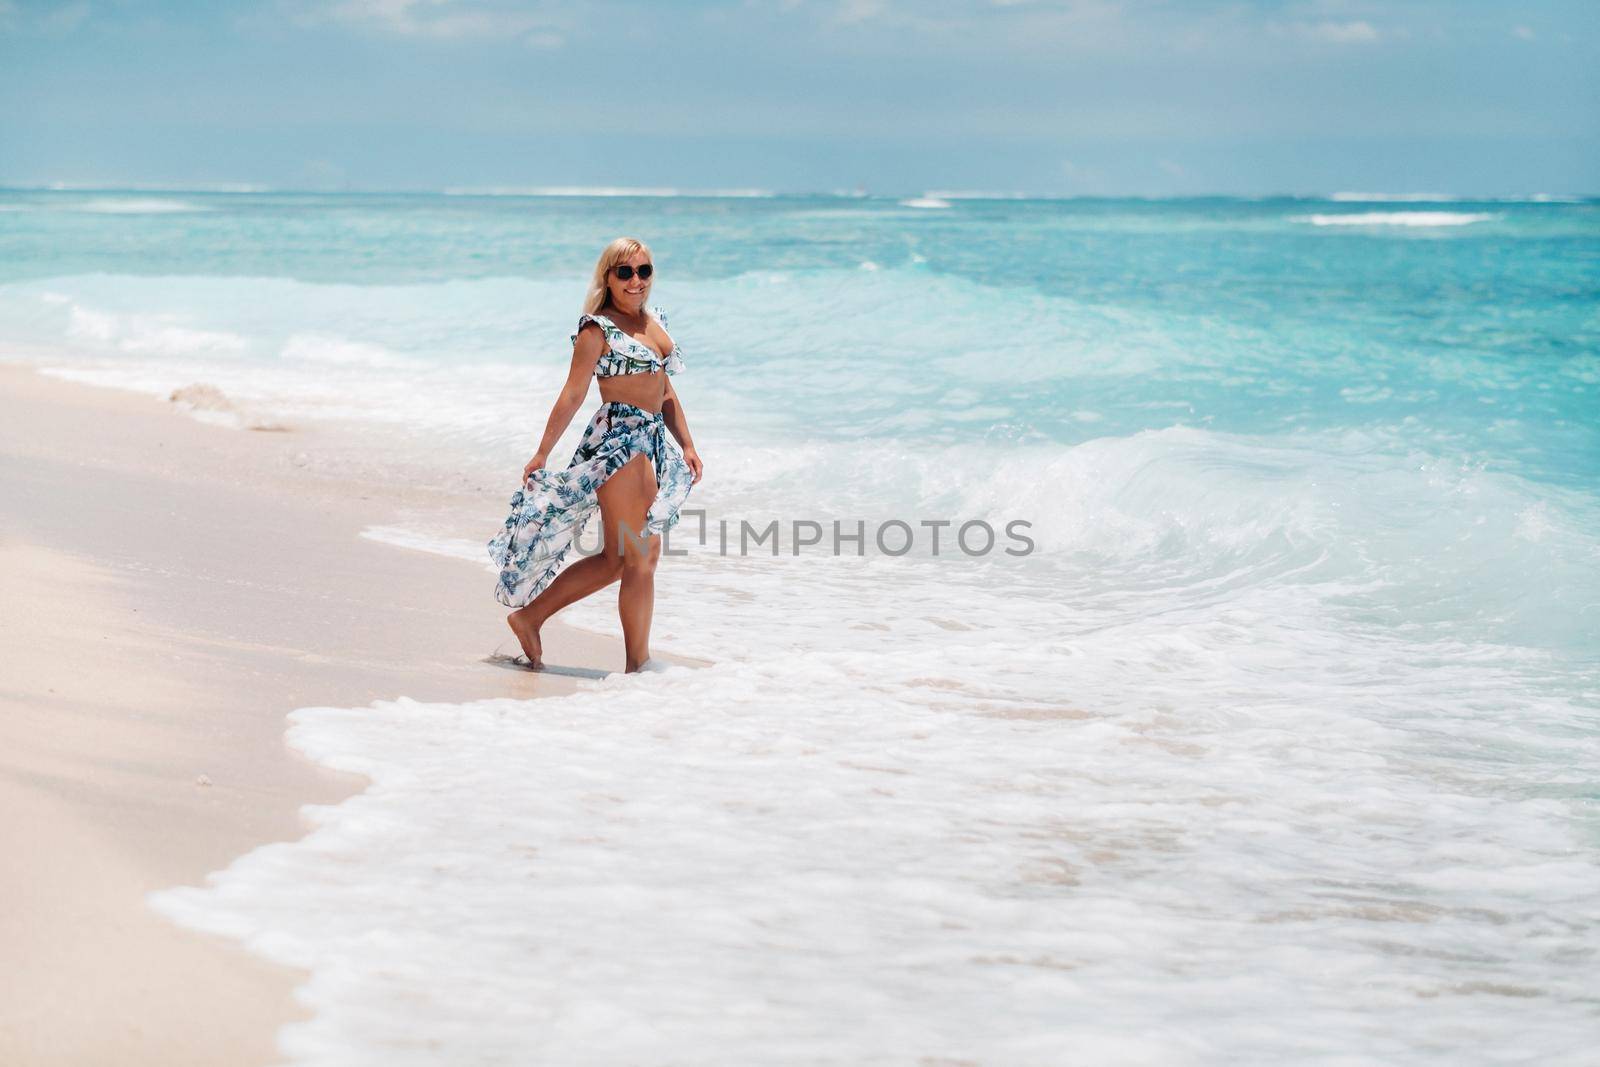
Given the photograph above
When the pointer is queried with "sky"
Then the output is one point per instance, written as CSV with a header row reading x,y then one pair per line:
x,y
1050,97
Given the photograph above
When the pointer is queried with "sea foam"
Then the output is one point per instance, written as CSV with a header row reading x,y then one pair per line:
x,y
138,205
1190,784
1401,218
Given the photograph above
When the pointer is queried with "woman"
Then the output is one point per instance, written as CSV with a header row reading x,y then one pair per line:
x,y
624,465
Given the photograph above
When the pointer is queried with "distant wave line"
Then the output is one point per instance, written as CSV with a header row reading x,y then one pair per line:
x,y
604,190
1398,218
1451,198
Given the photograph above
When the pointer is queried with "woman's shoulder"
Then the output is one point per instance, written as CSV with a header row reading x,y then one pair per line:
x,y
599,321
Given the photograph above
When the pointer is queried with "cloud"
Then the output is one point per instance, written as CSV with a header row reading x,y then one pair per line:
x,y
65,18
324,174
441,19
1084,178
1044,24
1355,31
853,11
51,21
1524,32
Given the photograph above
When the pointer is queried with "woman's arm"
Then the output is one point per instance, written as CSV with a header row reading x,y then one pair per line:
x,y
585,355
678,425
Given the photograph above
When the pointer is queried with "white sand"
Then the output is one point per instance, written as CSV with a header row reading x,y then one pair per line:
x,y
171,590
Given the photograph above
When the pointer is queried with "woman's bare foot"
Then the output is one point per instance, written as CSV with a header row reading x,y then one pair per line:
x,y
527,630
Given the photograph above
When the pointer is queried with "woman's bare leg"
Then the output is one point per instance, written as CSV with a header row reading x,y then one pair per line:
x,y
589,575
636,604
625,501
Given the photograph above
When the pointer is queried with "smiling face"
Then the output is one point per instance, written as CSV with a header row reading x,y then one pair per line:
x,y
630,294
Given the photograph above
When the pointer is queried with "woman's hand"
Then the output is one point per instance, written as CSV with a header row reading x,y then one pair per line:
x,y
536,463
692,458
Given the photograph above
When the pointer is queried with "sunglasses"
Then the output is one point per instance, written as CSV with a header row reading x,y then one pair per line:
x,y
625,272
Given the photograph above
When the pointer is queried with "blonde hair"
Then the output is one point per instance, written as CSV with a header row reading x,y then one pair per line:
x,y
617,251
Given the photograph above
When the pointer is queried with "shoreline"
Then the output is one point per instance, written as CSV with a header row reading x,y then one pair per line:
x,y
162,623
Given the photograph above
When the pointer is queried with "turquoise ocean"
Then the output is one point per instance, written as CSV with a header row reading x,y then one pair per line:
x,y
1281,745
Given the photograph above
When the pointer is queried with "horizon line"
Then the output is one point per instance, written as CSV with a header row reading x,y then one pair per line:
x,y
926,196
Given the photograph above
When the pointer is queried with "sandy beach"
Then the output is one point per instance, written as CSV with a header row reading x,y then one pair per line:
x,y
171,591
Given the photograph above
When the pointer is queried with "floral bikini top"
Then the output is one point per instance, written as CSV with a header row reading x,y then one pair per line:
x,y
625,354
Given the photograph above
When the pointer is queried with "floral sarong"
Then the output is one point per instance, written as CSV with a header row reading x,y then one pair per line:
x,y
550,510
